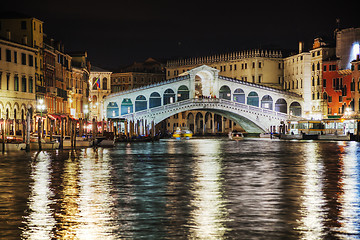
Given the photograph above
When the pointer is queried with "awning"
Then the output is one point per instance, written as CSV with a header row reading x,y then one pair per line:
x,y
73,118
54,117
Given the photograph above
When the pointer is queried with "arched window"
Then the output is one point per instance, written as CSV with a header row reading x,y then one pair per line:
x,y
126,106
169,96
239,96
267,102
281,105
140,103
225,93
155,100
182,93
253,99
104,84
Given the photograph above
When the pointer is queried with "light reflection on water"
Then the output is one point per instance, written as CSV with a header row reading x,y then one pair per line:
x,y
40,220
209,213
197,189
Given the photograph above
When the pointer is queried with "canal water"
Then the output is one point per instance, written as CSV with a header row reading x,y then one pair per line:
x,y
195,189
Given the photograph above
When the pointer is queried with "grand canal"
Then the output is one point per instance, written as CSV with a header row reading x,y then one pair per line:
x,y
196,189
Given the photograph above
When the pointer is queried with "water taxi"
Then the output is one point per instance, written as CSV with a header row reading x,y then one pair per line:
x,y
237,136
326,129
182,133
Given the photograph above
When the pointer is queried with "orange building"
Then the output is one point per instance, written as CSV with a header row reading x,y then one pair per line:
x,y
338,89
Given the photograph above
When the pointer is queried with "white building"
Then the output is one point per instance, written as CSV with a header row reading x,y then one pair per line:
x,y
297,77
100,87
17,83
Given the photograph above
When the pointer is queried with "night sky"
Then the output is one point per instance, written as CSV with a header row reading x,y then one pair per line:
x,y
117,33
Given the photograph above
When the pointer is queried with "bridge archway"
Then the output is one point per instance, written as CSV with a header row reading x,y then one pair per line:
x,y
267,102
204,84
190,121
126,106
239,95
254,123
169,96
225,92
199,123
253,99
155,100
183,93
281,105
140,103
112,109
208,122
295,109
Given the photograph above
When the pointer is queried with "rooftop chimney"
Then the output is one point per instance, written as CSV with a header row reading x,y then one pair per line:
x,y
301,46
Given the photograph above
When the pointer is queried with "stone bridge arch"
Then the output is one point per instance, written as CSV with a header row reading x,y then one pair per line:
x,y
254,107
251,119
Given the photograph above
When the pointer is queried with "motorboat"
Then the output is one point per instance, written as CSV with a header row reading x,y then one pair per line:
x,y
291,136
335,137
182,133
237,136
177,134
45,145
12,143
80,142
10,147
186,133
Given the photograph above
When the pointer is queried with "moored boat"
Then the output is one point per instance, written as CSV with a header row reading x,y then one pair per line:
x,y
182,133
105,142
44,145
237,136
10,147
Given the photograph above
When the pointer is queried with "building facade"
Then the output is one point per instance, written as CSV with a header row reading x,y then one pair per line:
x,y
129,80
17,84
27,31
320,51
338,89
347,46
355,67
263,67
297,77
100,87
78,85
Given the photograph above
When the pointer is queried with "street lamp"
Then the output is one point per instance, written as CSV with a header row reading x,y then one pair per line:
x,y
41,107
86,111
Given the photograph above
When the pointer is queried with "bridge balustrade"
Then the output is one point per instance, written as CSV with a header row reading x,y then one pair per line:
x,y
209,101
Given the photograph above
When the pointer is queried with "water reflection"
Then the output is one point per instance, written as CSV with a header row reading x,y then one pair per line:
x,y
348,197
96,213
312,206
209,213
197,189
40,221
68,213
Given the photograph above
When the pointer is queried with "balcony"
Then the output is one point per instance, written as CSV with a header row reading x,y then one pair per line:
x,y
40,89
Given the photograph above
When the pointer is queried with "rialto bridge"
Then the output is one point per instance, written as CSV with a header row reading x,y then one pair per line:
x,y
254,107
